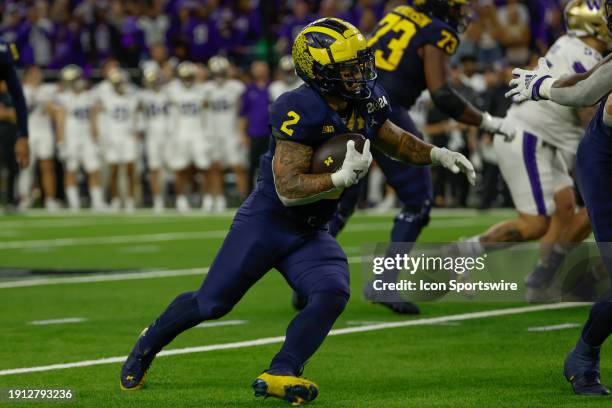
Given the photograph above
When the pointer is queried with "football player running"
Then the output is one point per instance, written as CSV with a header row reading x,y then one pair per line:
x,y
412,46
594,172
536,163
282,224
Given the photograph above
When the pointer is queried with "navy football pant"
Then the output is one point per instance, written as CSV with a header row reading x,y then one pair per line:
x,y
411,183
594,173
310,260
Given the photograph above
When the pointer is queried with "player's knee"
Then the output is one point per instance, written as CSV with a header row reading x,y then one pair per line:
x,y
330,303
211,309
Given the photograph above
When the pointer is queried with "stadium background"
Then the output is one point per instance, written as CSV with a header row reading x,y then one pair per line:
x,y
138,33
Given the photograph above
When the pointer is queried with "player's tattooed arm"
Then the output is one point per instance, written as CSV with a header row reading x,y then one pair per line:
x,y
401,145
291,165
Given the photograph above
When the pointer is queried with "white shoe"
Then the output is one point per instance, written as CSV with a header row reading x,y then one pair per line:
x,y
115,205
220,204
51,205
24,204
182,205
158,205
130,207
208,203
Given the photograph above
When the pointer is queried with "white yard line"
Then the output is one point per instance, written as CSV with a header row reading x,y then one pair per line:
x,y
116,239
107,277
280,339
111,277
181,236
58,321
562,326
206,325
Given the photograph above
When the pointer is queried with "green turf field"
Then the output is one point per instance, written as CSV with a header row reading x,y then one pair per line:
x,y
462,361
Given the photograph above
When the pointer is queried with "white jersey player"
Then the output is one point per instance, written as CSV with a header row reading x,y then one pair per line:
x,y
548,135
118,134
78,146
42,112
533,163
287,81
222,101
154,107
188,139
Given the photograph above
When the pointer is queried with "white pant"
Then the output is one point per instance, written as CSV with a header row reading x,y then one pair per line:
x,y
120,148
81,150
156,145
226,149
534,171
187,148
41,144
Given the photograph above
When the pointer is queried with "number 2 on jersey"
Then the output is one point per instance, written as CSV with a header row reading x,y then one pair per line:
x,y
397,46
294,119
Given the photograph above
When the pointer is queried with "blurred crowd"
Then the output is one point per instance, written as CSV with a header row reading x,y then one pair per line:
x,y
134,37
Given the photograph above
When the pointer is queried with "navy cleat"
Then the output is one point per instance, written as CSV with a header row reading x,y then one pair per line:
x,y
134,370
581,369
294,390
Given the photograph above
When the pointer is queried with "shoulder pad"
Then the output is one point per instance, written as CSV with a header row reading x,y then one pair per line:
x,y
442,36
295,115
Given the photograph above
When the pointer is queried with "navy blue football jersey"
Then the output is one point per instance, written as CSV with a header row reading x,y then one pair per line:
x,y
303,116
396,43
8,57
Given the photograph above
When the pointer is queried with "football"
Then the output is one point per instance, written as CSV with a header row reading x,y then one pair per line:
x,y
329,156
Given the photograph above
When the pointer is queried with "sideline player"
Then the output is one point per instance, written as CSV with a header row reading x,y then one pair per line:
x,y
42,112
594,172
222,101
287,79
187,142
282,223
8,58
154,105
119,139
77,144
413,46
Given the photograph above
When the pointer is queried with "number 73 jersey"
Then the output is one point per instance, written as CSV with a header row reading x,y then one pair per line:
x,y
396,43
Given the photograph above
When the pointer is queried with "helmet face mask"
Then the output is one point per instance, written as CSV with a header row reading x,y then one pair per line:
x,y
350,79
331,56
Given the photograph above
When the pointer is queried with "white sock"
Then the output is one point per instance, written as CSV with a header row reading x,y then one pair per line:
x,y
115,203
129,204
97,199
220,203
158,203
181,203
207,202
72,195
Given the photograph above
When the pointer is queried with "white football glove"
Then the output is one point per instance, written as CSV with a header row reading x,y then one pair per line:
x,y
496,125
453,161
354,167
534,85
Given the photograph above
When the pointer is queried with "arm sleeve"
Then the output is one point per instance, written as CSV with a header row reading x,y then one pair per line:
x,y
587,91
